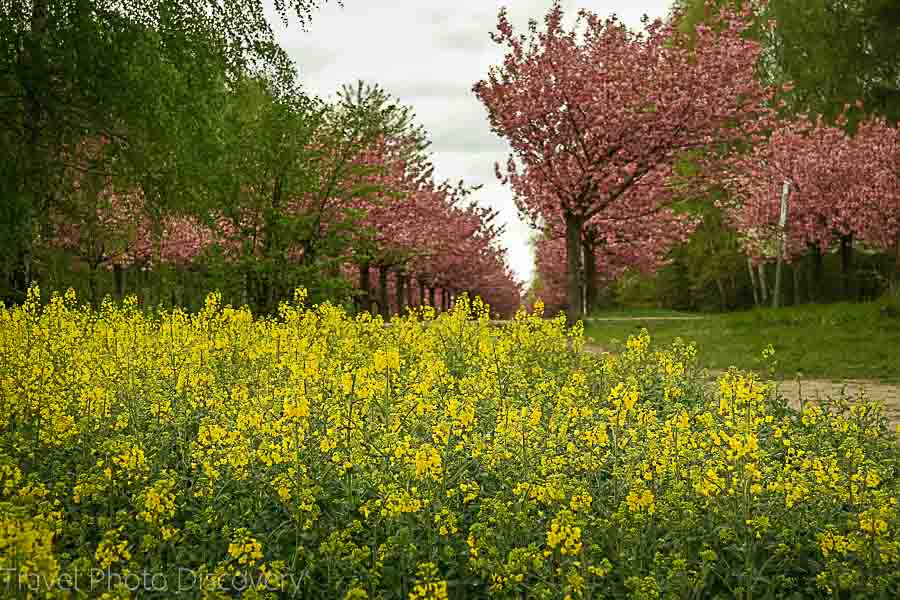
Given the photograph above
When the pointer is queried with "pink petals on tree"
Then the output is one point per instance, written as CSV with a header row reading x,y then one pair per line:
x,y
597,117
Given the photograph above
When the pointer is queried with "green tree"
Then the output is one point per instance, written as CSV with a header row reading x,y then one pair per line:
x,y
152,76
834,52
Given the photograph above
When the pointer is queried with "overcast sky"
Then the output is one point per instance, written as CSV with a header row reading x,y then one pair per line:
x,y
429,54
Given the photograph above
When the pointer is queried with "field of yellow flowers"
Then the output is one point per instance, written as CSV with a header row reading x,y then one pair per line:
x,y
317,455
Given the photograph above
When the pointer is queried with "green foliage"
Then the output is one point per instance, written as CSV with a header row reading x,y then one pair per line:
x,y
154,77
709,270
834,53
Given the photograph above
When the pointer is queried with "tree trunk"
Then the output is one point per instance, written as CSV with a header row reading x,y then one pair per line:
x,y
847,267
896,282
795,269
401,288
723,295
383,304
421,292
763,283
814,284
92,284
573,272
431,297
245,289
119,278
753,283
590,276
364,288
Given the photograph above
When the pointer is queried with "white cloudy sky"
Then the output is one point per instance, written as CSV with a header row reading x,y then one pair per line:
x,y
429,54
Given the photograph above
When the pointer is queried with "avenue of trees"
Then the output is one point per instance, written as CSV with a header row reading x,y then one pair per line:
x,y
661,156
164,148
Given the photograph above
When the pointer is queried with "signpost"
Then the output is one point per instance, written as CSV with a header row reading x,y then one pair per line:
x,y
782,239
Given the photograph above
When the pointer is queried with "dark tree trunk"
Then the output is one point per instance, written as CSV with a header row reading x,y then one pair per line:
x,y
573,271
798,290
383,293
271,295
119,278
364,301
814,282
245,289
421,292
590,276
896,282
847,267
431,298
401,288
723,296
92,284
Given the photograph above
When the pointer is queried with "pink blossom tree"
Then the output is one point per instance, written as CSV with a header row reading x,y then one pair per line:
x,y
596,120
843,187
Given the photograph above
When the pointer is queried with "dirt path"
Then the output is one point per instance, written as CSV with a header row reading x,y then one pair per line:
x,y
614,319
812,389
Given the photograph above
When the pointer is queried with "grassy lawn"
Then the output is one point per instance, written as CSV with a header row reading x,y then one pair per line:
x,y
835,341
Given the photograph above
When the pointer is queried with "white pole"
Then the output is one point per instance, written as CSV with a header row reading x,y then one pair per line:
x,y
782,240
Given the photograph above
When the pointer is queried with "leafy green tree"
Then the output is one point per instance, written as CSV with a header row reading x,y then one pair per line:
x,y
409,144
152,76
833,52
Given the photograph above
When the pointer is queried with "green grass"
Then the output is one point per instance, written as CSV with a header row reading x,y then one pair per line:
x,y
835,341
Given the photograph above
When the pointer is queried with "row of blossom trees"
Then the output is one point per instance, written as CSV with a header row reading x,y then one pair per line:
x,y
600,118
843,188
373,217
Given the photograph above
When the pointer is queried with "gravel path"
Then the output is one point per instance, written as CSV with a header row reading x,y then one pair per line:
x,y
812,389
614,319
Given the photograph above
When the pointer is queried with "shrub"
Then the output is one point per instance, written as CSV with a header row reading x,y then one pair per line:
x,y
318,455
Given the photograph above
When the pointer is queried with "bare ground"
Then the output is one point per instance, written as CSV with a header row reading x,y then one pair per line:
x,y
812,389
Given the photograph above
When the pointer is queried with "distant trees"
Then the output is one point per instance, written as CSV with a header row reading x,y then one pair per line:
x,y
835,68
151,78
